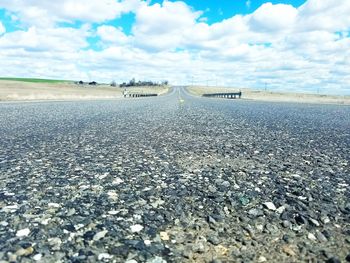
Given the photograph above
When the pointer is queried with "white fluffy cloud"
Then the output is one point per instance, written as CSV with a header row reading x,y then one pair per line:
x,y
44,13
305,48
112,34
272,18
46,40
160,27
324,15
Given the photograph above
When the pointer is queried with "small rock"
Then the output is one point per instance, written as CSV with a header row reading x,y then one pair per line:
x,y
10,208
37,257
100,235
212,189
136,228
311,237
4,223
286,238
288,250
244,200
71,212
262,259
147,242
187,253
255,212
131,261
272,229
286,224
157,203
103,256
325,219
55,243
314,222
164,236
211,220
226,184
281,209
45,221
23,232
25,251
113,212
156,260
270,206
214,240
12,257
199,247
53,205
117,181
260,227
321,237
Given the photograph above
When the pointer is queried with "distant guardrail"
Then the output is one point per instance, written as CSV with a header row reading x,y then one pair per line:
x,y
230,95
139,95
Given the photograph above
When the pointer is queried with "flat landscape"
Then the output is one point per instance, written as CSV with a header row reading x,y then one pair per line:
x,y
176,178
260,95
34,90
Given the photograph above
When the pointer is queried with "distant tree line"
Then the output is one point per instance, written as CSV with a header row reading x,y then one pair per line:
x,y
134,83
94,83
131,83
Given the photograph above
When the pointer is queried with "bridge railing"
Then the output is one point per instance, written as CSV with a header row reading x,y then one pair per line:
x,y
226,95
139,95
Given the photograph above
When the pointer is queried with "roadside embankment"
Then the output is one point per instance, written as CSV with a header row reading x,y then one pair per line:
x,y
250,94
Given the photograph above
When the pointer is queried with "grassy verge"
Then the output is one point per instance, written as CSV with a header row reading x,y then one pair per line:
x,y
34,80
275,96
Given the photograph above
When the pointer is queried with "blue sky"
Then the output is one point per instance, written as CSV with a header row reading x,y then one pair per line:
x,y
290,45
214,11
217,10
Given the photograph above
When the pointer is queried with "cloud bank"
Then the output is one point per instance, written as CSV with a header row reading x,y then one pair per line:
x,y
278,45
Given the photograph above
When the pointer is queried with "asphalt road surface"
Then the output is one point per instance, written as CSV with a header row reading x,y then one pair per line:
x,y
174,179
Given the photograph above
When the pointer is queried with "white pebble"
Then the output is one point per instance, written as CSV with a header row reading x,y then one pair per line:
x,y
104,256
10,208
136,228
45,221
37,257
113,212
311,236
4,223
147,242
117,181
281,209
54,205
270,206
23,232
100,235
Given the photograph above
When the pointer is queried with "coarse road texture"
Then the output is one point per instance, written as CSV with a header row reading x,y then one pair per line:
x,y
174,179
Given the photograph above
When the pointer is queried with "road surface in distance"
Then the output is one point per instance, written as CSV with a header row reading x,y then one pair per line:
x,y
175,178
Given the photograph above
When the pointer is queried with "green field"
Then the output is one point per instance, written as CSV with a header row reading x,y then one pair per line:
x,y
33,80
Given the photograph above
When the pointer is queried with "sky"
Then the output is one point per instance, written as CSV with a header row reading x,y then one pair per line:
x,y
286,45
